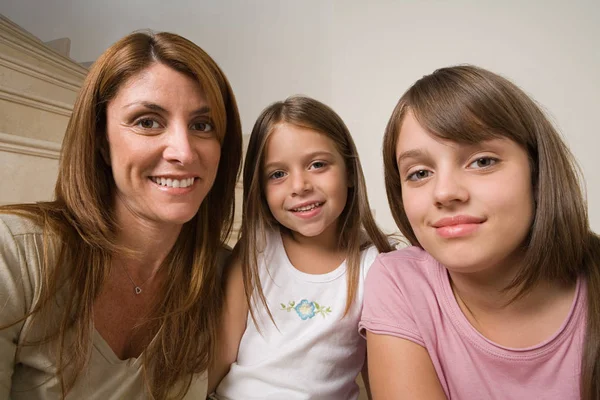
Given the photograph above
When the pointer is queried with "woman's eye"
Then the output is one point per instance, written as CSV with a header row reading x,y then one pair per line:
x,y
483,162
202,127
419,175
147,123
277,175
318,164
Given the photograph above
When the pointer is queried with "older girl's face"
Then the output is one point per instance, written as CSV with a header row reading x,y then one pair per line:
x,y
163,148
470,206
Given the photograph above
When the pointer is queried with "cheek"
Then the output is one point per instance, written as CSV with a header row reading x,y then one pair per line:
x,y
415,206
271,195
513,195
210,153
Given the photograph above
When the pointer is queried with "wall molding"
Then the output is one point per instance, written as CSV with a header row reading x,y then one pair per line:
x,y
38,73
40,103
29,146
14,36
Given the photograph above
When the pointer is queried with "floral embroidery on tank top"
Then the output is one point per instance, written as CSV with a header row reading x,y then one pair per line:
x,y
306,309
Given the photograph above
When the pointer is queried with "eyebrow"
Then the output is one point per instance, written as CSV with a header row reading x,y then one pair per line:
x,y
409,154
156,107
306,156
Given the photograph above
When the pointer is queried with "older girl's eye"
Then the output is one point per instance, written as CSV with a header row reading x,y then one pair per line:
x,y
147,123
202,127
318,165
419,175
483,162
277,175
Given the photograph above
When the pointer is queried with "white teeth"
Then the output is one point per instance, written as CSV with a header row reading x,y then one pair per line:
x,y
174,183
307,208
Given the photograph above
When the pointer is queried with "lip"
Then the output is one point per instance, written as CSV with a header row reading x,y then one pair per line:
x,y
304,204
173,176
175,190
307,215
457,226
457,220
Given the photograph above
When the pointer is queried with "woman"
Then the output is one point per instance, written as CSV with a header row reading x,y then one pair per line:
x,y
112,290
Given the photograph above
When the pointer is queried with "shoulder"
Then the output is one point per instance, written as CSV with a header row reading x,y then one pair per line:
x,y
367,257
402,292
411,256
16,225
408,267
22,255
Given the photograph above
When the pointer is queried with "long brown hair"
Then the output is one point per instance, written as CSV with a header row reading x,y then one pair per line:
x,y
81,217
467,104
357,227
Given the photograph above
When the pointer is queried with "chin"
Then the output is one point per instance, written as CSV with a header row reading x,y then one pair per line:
x,y
310,232
179,219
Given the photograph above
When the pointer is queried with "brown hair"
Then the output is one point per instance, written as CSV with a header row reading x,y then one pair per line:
x,y
81,216
357,228
467,104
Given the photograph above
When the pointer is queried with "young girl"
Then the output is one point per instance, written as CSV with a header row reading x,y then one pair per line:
x,y
308,239
492,301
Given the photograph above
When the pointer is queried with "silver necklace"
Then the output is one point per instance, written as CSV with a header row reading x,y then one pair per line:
x,y
137,288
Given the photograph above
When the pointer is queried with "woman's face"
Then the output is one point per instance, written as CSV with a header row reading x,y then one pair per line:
x,y
163,148
470,206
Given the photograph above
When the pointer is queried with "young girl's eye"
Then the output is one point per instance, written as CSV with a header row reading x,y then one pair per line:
x,y
483,162
202,126
147,123
419,175
277,175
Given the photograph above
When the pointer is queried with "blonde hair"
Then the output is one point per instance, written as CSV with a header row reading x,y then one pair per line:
x,y
357,229
467,104
81,216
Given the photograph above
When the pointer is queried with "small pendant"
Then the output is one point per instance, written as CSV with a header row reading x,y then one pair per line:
x,y
138,290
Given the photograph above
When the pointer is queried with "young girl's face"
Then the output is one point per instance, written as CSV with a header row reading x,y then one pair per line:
x,y
306,184
470,206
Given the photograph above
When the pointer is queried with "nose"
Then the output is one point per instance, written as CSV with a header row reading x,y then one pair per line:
x,y
300,183
179,147
449,189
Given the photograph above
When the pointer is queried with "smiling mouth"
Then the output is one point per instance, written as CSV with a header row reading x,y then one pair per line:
x,y
173,183
308,207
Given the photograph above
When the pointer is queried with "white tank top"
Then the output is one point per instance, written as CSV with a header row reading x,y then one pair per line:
x,y
312,353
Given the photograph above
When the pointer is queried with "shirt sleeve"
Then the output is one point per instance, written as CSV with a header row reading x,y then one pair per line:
x,y
386,310
12,305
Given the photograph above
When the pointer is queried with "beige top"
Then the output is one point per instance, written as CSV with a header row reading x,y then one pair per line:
x,y
30,373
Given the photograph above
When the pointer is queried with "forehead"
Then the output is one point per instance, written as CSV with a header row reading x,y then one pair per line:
x,y
411,134
159,82
287,141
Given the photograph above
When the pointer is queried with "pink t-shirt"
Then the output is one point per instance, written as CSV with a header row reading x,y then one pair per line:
x,y
408,295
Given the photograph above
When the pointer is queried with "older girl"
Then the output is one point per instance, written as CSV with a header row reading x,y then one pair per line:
x,y
491,302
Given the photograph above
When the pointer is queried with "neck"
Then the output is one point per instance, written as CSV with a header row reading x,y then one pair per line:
x,y
486,293
328,240
148,242
313,255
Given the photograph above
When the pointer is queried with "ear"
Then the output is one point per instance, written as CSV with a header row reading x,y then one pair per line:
x,y
350,178
103,147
